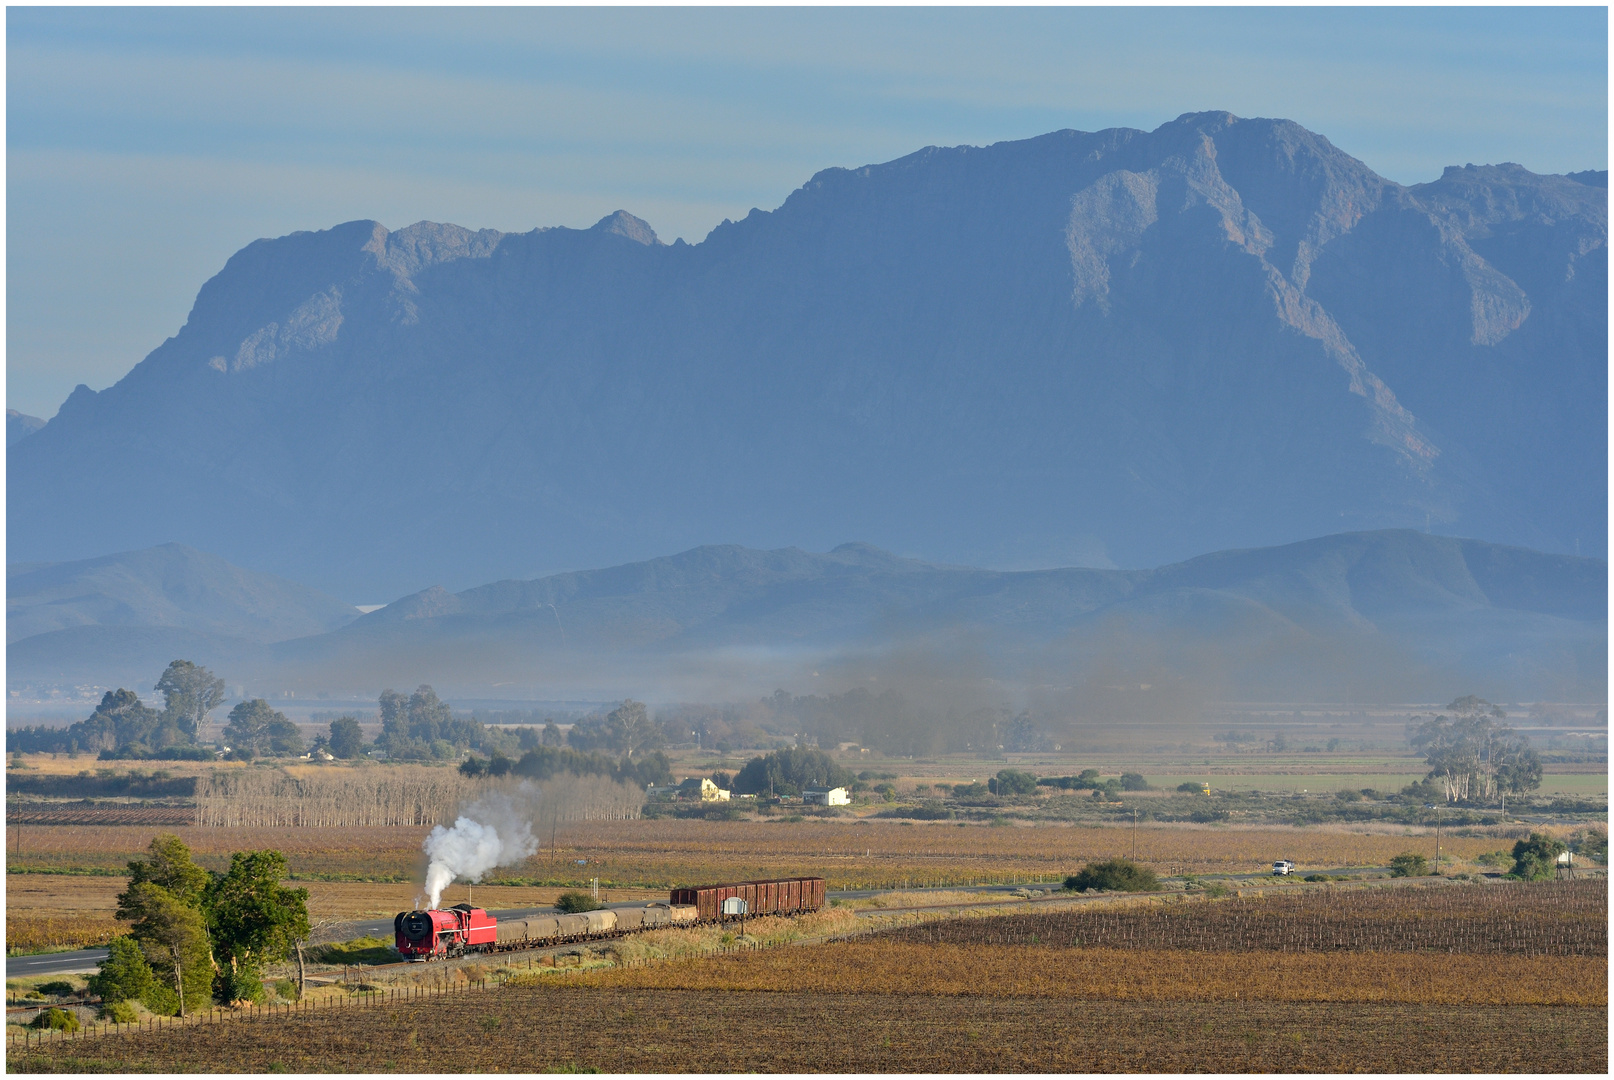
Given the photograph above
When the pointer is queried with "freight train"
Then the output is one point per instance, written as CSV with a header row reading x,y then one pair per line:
x,y
441,933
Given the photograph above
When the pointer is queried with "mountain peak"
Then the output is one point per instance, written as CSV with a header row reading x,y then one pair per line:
x,y
625,224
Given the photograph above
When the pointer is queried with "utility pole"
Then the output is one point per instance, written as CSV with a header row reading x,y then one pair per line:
x,y
1134,834
1437,840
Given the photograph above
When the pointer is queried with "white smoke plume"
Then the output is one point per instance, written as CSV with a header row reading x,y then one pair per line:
x,y
496,830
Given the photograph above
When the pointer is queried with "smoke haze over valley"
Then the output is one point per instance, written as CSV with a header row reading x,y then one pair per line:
x,y
1367,617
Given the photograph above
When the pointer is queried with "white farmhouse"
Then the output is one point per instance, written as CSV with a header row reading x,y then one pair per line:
x,y
835,796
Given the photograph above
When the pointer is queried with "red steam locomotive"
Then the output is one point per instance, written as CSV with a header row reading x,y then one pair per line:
x,y
447,932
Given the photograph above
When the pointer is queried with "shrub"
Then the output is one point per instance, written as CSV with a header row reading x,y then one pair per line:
x,y
1121,875
58,988
359,950
1409,865
573,902
1534,859
1189,788
286,989
56,1020
119,1012
1217,890
1131,781
233,984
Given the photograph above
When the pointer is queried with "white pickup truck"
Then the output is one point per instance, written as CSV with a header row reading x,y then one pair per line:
x,y
1283,868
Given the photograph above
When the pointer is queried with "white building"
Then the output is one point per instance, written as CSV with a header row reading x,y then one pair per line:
x,y
835,796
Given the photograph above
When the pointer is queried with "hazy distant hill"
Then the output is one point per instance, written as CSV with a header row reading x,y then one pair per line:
x,y
171,586
20,425
1365,616
1111,348
1391,615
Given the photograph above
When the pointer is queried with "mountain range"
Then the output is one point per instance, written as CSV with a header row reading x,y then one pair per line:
x,y
1118,348
1386,615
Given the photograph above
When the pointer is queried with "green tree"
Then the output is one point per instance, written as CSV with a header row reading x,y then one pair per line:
x,y
253,919
1520,773
630,730
1474,754
1131,781
124,975
174,938
1409,864
347,738
1012,782
163,901
794,768
168,866
190,693
1118,874
123,722
1537,857
258,730
421,726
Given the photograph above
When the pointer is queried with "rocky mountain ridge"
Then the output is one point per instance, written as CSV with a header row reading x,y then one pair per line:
x,y
1110,348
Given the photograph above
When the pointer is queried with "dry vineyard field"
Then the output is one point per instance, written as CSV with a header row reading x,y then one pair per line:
x,y
1547,919
658,854
536,1029
1234,990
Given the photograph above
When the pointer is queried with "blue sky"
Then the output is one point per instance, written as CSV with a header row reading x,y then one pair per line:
x,y
146,146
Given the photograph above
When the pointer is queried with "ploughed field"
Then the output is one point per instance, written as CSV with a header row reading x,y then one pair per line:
x,y
1391,984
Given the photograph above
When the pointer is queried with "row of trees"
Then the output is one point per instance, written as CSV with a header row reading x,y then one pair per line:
x,y
124,726
1474,755
544,762
789,771
198,936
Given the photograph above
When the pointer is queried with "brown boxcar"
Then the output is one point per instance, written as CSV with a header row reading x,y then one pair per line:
x,y
782,896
